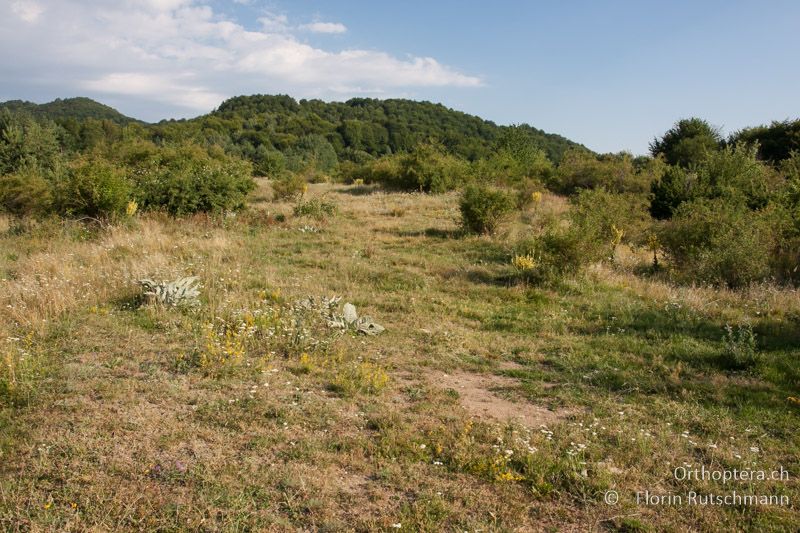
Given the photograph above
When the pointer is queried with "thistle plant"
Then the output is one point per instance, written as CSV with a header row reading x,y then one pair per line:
x,y
181,292
740,347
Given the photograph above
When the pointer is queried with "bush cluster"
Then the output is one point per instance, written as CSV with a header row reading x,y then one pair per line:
x,y
38,179
316,208
426,168
484,208
731,219
713,241
187,179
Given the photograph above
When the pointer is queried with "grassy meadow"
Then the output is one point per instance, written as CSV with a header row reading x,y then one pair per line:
x,y
489,403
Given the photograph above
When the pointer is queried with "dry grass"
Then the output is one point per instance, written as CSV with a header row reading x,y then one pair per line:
x,y
124,430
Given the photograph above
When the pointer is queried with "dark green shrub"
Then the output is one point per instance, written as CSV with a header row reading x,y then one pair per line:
x,y
269,163
288,187
384,171
687,143
610,218
580,169
676,186
508,168
190,179
317,208
427,168
718,242
26,193
560,250
92,188
733,173
483,208
27,143
775,142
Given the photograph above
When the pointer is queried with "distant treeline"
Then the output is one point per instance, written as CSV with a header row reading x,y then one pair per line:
x,y
280,132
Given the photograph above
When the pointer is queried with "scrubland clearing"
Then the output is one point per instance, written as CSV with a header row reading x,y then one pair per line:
x,y
487,404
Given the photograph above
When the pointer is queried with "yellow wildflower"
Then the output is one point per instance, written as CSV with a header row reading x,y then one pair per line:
x,y
524,262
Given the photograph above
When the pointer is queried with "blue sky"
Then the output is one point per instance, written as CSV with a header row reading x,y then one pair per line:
x,y
611,75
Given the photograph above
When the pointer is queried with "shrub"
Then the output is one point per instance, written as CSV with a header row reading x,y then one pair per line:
x,y
426,169
785,216
92,188
505,167
558,251
316,208
288,188
529,192
733,173
580,169
25,193
676,186
717,242
785,259
269,163
775,142
483,208
188,179
592,228
611,218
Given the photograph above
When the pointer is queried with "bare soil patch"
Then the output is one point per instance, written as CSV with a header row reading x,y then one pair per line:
x,y
478,395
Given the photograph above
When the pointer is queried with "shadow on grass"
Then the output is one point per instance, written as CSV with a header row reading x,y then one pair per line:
x,y
777,336
359,190
487,277
435,233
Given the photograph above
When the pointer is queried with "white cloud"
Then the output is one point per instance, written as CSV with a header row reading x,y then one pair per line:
x,y
162,88
324,27
27,10
166,5
182,54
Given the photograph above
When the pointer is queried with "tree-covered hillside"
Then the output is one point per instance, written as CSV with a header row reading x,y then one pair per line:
x,y
267,129
367,126
59,110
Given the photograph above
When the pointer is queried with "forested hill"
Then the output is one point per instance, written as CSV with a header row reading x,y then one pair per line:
x,y
278,130
59,110
376,127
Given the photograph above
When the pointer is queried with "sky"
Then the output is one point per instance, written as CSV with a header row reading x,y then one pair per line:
x,y
611,75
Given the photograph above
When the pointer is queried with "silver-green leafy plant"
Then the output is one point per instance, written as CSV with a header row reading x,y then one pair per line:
x,y
182,292
347,318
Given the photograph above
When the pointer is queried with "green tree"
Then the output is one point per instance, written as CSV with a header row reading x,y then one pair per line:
x,y
775,142
687,143
24,142
733,173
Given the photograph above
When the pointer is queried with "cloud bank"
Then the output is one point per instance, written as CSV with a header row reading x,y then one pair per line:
x,y
184,56
325,27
